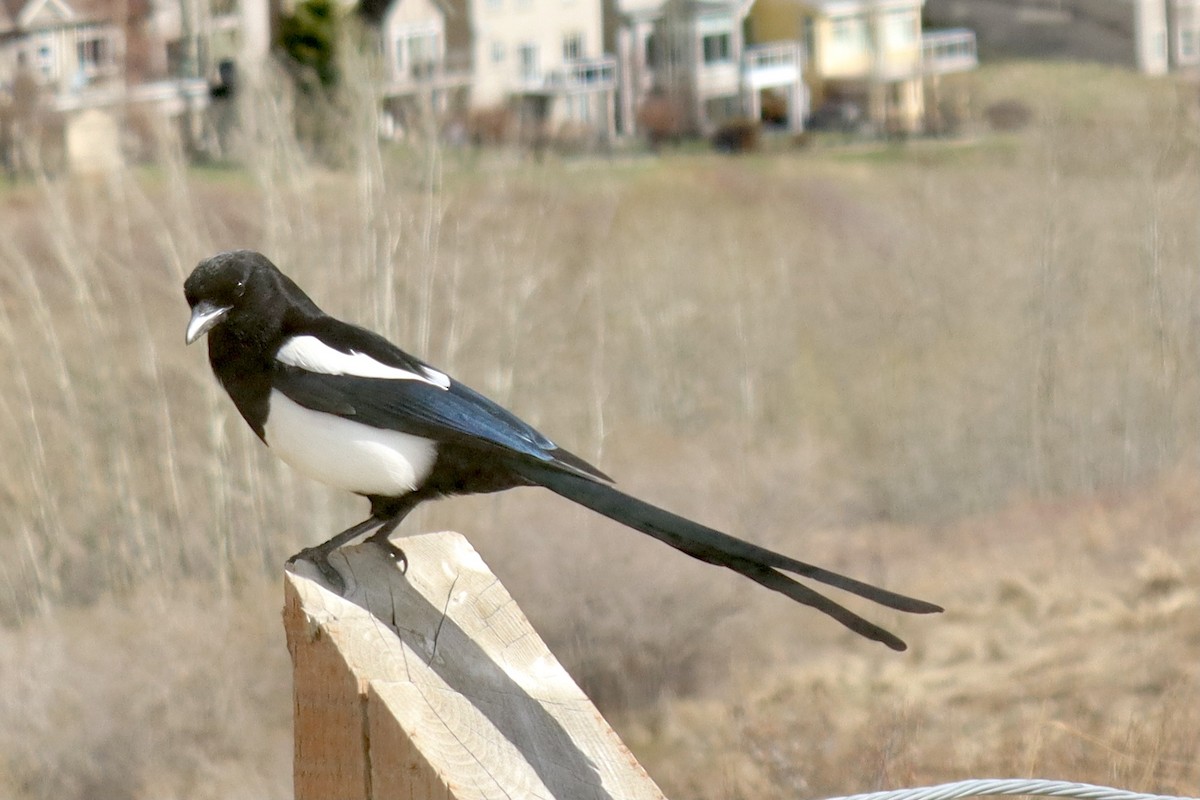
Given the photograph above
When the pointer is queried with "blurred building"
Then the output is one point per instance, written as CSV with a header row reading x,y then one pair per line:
x,y
1150,36
71,73
532,68
1166,35
1156,36
544,59
866,60
64,46
692,56
424,81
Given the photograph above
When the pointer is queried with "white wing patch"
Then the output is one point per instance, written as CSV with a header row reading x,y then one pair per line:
x,y
310,353
347,454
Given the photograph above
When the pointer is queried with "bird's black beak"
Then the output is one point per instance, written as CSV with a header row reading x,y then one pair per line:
x,y
204,316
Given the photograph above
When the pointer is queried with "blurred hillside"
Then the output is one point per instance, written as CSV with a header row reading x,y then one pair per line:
x,y
1065,30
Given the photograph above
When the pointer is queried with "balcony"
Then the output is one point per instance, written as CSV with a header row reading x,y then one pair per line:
x,y
775,64
170,97
947,51
578,75
445,72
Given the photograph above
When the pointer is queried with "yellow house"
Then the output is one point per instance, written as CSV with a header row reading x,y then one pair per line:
x,y
862,57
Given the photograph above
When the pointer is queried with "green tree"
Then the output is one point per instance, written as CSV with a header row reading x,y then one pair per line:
x,y
309,39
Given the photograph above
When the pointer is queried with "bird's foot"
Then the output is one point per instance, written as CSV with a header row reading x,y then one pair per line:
x,y
320,559
393,552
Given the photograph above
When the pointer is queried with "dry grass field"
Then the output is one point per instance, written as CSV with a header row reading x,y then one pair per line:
x,y
967,369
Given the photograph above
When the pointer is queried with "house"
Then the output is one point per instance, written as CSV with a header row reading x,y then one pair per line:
x,y
1150,39
542,58
693,53
1165,33
1180,29
869,56
194,39
68,59
1155,36
65,47
423,81
1184,26
538,60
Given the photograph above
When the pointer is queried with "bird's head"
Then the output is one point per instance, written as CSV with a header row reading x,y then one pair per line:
x,y
232,287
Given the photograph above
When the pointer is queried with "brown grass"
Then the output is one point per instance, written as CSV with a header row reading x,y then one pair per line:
x,y
1068,652
967,371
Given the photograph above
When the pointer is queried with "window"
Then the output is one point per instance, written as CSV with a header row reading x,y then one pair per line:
x,y
849,32
423,53
650,50
422,47
717,48
530,70
92,53
45,62
901,26
418,53
497,52
573,47
1187,43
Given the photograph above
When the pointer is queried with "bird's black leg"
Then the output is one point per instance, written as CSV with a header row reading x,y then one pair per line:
x,y
319,554
380,537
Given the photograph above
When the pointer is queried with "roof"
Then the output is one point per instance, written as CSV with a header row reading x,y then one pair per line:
x,y
830,7
376,11
655,9
9,9
115,11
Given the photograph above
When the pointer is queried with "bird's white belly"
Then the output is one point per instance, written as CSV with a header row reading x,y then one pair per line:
x,y
346,454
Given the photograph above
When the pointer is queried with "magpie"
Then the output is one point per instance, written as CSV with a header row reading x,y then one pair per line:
x,y
343,405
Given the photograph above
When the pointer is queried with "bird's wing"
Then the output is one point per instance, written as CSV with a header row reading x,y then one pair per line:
x,y
331,347
362,377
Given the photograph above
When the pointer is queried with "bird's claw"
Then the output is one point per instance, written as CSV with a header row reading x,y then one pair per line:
x,y
393,552
320,559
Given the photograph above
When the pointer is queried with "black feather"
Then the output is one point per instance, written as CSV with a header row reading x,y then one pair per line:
x,y
713,546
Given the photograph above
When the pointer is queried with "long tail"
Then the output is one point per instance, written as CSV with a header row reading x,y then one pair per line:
x,y
756,563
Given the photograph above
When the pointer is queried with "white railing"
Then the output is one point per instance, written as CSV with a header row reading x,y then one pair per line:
x,y
774,64
951,50
173,96
440,72
427,75
775,54
581,74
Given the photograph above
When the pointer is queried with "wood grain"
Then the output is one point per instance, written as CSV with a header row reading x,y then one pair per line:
x,y
431,683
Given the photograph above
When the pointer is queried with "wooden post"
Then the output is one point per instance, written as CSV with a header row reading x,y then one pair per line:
x,y
430,683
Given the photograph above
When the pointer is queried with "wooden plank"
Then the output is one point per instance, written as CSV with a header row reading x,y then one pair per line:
x,y
329,757
454,694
